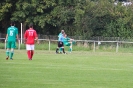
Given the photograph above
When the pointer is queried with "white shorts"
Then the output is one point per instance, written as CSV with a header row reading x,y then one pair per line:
x,y
29,47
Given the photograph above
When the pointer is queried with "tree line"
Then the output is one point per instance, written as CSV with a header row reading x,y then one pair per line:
x,y
85,18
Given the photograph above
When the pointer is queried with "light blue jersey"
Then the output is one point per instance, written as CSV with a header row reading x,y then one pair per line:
x,y
61,38
60,34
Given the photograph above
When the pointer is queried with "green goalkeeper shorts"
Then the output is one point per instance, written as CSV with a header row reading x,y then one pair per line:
x,y
11,44
67,44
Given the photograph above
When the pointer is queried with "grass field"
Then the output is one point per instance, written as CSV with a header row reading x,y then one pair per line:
x,y
80,69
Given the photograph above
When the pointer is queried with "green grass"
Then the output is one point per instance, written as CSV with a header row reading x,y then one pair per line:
x,y
80,69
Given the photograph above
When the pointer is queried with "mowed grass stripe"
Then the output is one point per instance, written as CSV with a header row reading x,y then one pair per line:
x,y
75,70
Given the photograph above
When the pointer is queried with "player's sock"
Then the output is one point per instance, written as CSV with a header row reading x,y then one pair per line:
x,y
60,50
70,49
32,53
7,53
57,50
63,51
29,54
11,55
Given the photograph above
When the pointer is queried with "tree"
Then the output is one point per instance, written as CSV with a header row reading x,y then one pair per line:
x,y
33,11
86,18
6,8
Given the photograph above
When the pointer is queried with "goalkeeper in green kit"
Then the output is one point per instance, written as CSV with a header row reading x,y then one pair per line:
x,y
68,42
12,33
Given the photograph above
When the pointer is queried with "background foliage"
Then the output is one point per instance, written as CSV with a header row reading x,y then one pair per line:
x,y
87,18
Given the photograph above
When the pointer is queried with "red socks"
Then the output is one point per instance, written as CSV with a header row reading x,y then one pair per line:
x,y
30,54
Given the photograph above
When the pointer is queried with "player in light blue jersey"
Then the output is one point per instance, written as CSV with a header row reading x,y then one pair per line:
x,y
60,42
12,33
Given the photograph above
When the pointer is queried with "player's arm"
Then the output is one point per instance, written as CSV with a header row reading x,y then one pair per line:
x,y
17,35
24,40
36,37
6,37
70,39
17,38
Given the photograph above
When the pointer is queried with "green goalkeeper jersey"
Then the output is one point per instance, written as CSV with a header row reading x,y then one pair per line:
x,y
12,32
66,40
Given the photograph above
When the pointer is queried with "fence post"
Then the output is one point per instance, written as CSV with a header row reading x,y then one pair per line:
x,y
18,44
21,33
5,43
49,44
94,48
117,46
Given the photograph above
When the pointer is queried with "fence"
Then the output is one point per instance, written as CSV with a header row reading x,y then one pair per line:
x,y
93,45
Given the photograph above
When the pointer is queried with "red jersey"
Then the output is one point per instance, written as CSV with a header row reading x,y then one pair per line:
x,y
30,36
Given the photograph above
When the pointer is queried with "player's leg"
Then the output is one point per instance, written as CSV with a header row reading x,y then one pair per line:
x,y
70,49
28,48
32,51
11,53
60,50
8,50
69,45
63,50
7,53
62,45
57,49
13,45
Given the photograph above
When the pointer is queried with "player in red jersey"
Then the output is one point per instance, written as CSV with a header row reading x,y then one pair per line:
x,y
30,37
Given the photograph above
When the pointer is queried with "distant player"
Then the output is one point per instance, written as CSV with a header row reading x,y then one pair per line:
x,y
30,37
68,42
61,33
12,33
60,43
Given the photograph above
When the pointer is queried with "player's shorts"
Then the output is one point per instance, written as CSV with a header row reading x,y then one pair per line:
x,y
11,44
60,44
29,47
67,44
